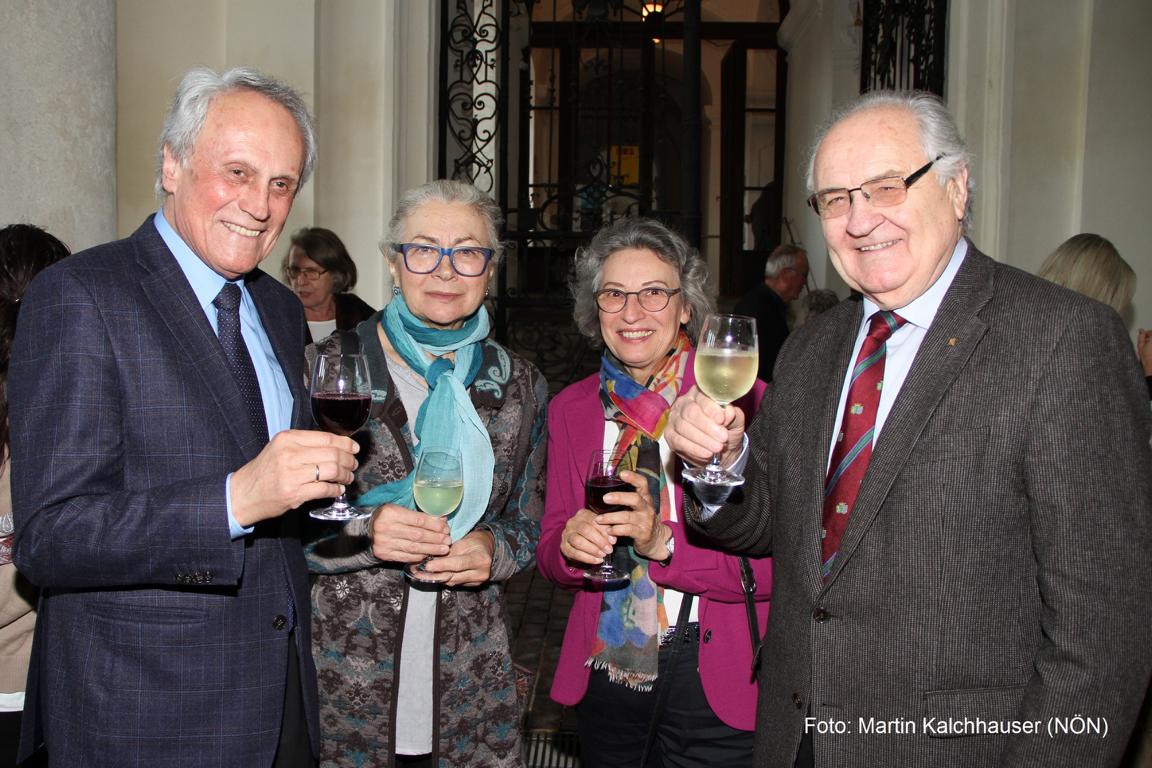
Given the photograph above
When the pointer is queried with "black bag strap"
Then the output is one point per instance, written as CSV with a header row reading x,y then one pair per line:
x,y
662,682
748,581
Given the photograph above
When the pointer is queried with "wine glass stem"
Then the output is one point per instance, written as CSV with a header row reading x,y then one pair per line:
x,y
607,567
714,472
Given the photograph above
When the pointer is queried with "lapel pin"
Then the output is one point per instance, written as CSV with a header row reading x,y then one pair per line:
x,y
952,341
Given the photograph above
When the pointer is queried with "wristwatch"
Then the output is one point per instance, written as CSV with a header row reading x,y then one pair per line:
x,y
671,544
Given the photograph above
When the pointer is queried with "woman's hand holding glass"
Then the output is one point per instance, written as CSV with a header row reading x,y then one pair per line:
x,y
401,535
589,537
467,564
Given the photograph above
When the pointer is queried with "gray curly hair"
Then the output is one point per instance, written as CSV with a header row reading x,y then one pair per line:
x,y
647,234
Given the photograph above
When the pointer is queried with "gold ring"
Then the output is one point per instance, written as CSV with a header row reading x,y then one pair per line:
x,y
317,473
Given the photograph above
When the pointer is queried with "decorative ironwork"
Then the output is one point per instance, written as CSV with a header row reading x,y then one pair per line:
x,y
547,337
595,10
472,97
903,45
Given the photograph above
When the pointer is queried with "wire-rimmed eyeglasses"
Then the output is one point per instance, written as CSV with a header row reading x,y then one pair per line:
x,y
310,273
423,258
890,190
612,300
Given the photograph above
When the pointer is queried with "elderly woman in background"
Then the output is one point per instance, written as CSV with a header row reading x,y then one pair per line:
x,y
24,251
639,289
321,273
419,672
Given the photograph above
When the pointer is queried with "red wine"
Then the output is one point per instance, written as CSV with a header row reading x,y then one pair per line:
x,y
596,487
341,414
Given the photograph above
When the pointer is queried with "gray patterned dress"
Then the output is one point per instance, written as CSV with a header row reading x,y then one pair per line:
x,y
359,602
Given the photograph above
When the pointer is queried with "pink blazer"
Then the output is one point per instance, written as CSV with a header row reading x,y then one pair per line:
x,y
575,428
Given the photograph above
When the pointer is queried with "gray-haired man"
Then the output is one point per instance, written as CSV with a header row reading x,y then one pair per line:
x,y
952,475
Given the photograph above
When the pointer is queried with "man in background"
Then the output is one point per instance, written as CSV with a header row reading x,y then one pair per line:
x,y
157,401
785,276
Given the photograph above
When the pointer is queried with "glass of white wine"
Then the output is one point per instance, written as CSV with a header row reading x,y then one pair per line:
x,y
727,357
437,487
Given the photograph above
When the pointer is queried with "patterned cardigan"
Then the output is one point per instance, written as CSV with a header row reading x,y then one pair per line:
x,y
359,602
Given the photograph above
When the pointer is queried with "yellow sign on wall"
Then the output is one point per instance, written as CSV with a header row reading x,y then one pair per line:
x,y
625,169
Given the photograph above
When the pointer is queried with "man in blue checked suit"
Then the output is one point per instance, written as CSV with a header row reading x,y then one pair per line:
x,y
157,402
952,474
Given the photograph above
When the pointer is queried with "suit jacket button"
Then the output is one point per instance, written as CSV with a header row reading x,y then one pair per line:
x,y
707,636
279,622
821,615
799,702
208,576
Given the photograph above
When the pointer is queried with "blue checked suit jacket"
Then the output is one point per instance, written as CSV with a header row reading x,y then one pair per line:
x,y
160,641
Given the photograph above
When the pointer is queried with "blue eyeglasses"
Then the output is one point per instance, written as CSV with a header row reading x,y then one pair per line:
x,y
423,258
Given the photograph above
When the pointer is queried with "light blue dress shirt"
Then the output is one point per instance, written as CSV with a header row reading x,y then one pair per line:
x,y
206,284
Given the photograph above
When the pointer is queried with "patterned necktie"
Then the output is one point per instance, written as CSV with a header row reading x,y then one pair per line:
x,y
227,304
854,441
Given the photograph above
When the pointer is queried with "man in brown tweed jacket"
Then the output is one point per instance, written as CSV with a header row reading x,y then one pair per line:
x,y
990,602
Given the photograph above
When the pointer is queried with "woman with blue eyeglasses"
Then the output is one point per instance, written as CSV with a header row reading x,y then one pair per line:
x,y
409,639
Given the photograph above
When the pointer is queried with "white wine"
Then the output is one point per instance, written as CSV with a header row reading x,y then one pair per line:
x,y
725,374
437,498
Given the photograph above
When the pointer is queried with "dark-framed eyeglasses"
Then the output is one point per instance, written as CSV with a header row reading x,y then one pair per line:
x,y
423,258
612,300
888,191
311,273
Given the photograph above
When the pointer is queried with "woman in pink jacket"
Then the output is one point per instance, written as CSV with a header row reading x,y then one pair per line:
x,y
681,622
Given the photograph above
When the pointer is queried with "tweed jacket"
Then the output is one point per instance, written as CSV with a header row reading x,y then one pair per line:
x,y
160,640
576,428
993,576
360,603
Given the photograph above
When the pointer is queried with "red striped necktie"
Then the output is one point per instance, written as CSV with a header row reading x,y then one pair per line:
x,y
854,440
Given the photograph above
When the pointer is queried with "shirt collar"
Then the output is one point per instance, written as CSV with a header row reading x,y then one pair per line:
x,y
206,282
921,311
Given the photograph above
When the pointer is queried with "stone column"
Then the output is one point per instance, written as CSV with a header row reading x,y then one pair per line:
x,y
58,117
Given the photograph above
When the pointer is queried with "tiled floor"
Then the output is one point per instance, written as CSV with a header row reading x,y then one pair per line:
x,y
537,612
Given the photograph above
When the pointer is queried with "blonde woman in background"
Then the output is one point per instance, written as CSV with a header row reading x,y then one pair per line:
x,y
1091,265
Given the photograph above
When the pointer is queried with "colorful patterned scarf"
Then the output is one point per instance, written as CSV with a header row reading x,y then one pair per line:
x,y
633,618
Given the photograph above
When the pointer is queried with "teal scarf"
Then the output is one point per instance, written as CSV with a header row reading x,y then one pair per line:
x,y
447,418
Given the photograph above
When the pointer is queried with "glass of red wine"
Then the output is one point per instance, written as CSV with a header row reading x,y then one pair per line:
x,y
604,478
341,400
